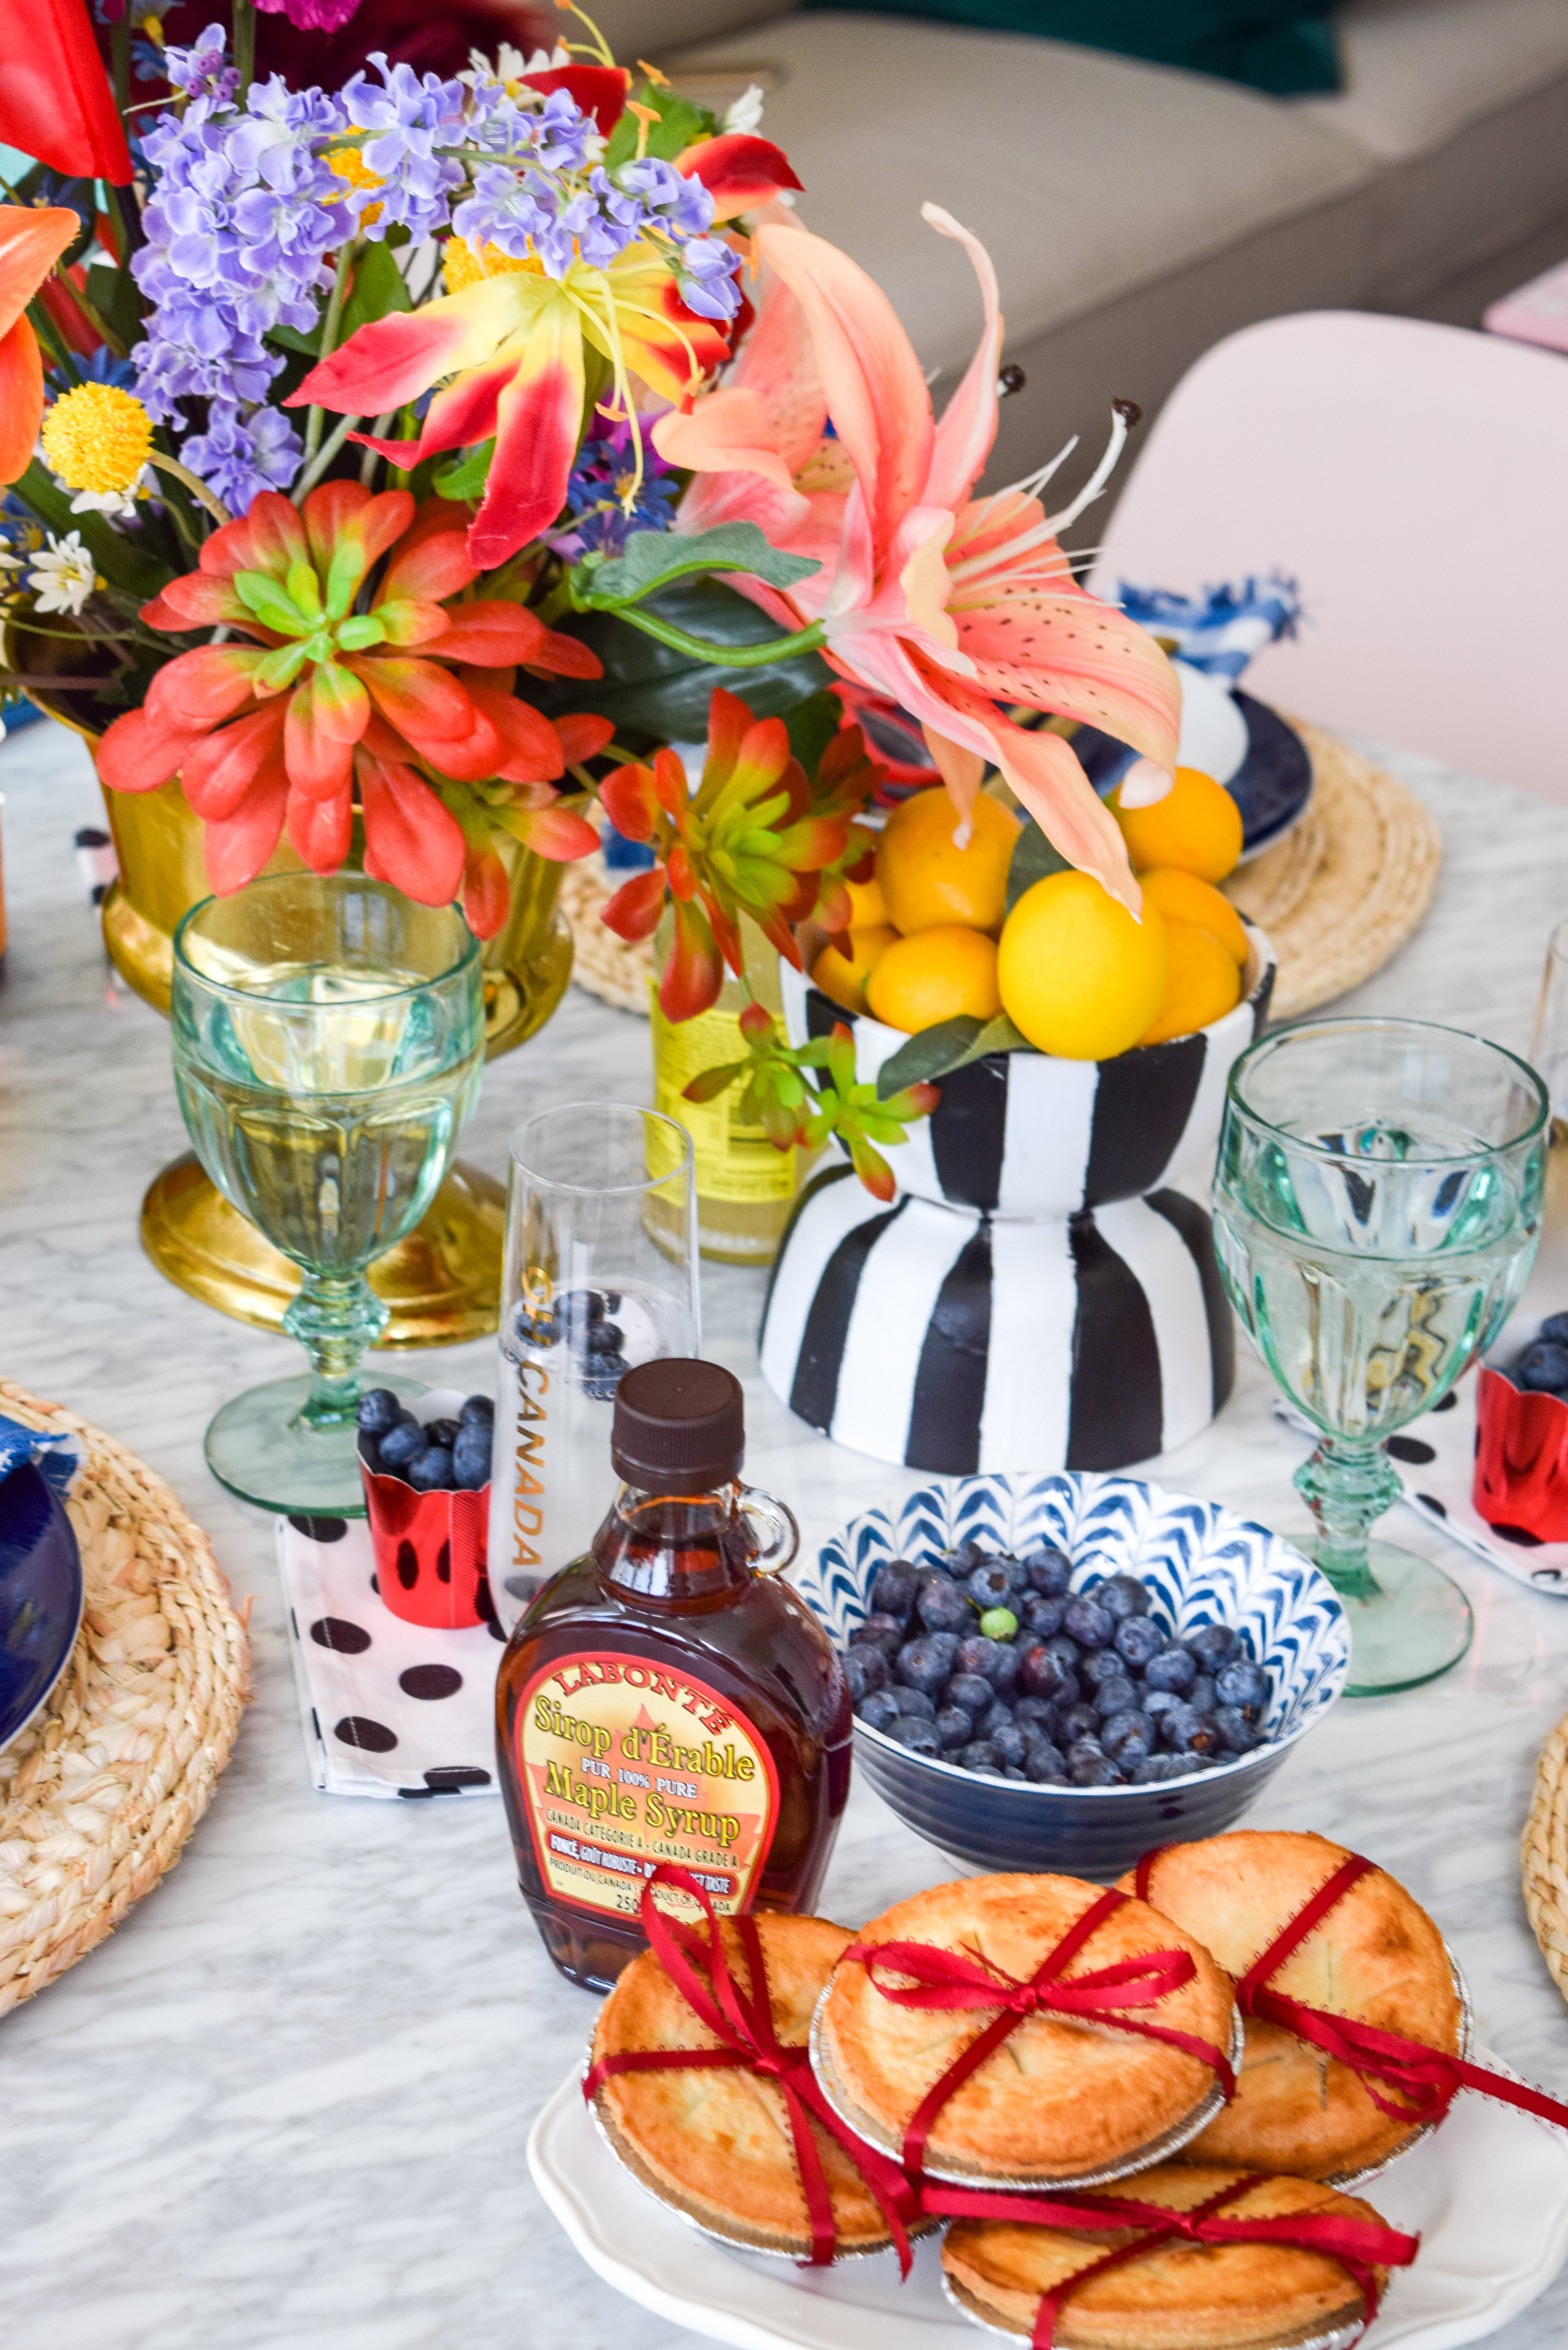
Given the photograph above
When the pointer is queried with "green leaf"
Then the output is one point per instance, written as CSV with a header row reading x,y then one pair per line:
x,y
1033,859
951,1044
467,473
680,124
309,346
119,559
377,291
115,296
654,558
811,726
711,1082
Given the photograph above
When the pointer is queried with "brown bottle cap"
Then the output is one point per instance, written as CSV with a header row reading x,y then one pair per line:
x,y
680,1425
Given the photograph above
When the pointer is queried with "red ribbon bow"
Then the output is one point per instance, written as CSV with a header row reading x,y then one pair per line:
x,y
744,2022
1404,2078
1360,2246
948,1978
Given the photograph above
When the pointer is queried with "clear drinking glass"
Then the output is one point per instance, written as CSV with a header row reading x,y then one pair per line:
x,y
1376,1208
329,1048
600,1274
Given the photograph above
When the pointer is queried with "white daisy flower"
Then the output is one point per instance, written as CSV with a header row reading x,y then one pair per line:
x,y
747,110
63,577
118,504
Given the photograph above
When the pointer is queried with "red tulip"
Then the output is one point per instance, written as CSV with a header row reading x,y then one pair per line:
x,y
55,99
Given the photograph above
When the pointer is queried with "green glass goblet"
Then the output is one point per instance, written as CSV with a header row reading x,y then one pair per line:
x,y
328,1048
1377,1207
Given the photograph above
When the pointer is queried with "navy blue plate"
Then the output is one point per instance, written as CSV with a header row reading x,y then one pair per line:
x,y
41,1596
1271,787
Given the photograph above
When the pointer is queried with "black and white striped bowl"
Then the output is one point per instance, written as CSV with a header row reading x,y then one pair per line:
x,y
1025,1135
1201,1563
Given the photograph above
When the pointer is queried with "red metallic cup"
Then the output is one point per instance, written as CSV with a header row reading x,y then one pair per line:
x,y
1521,1459
430,1547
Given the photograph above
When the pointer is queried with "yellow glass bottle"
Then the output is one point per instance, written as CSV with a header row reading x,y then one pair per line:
x,y
745,1188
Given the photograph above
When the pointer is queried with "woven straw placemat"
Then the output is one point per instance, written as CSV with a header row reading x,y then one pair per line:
x,y
98,1794
1545,1855
1347,885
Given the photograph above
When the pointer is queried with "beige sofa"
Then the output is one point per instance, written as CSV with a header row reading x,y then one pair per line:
x,y
1137,214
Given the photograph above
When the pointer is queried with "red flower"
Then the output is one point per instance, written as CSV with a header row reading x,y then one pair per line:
x,y
278,731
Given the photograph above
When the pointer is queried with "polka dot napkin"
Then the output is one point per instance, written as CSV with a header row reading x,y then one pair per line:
x,y
388,1709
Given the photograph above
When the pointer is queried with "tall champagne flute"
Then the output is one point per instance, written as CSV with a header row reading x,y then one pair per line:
x,y
328,1048
1378,1206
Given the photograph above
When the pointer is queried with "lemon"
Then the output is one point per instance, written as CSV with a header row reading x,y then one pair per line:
x,y
867,910
1077,974
842,975
1202,983
935,975
1196,828
926,880
1183,898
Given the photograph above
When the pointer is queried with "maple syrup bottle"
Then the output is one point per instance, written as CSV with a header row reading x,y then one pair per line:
x,y
667,1697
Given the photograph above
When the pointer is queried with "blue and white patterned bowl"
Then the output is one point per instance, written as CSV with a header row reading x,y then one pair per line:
x,y
1201,1564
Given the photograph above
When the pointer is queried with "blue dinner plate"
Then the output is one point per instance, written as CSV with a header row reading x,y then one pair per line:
x,y
41,1596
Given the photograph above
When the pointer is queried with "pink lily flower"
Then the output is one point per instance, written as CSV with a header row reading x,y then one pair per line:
x,y
951,604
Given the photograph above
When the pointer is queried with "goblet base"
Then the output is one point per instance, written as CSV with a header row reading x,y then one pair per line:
x,y
1408,1624
259,1447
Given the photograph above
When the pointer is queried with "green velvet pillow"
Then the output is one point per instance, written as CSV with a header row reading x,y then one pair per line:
x,y
1278,46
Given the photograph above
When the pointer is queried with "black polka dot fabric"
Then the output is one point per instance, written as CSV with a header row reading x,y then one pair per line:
x,y
388,1709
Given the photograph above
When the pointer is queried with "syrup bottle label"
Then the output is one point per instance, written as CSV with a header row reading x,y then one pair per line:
x,y
624,1762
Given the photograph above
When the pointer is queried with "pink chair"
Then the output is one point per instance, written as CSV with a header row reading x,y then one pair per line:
x,y
1414,480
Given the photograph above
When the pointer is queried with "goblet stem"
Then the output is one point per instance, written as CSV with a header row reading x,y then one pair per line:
x,y
1346,1485
334,1321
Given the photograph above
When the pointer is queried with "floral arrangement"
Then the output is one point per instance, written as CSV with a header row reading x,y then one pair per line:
x,y
404,466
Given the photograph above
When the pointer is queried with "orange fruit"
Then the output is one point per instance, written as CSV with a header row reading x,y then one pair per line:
x,y
926,880
866,910
935,975
1183,898
1078,975
1202,984
842,975
1196,828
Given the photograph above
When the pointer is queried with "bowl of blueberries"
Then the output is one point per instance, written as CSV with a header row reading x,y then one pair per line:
x,y
1058,1672
425,1462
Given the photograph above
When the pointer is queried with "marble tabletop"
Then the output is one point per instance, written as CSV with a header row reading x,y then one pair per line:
x,y
287,2104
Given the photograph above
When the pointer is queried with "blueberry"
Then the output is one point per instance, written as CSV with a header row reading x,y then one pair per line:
x,y
1010,1742
1005,1678
1037,1710
963,1560
972,1692
442,1432
430,1471
475,1408
916,1702
999,1623
1186,1732
580,1308
884,1632
1157,1702
1236,1735
1213,1645
378,1411
1042,1674
1201,1697
399,1445
998,1715
1078,1722
1087,1622
1172,1668
1544,1367
470,1454
1011,1770
1016,1572
926,1664
989,1586
941,1607
369,1452
605,1338
1045,1764
1556,1327
980,1755
1115,1696
1063,1645
1122,1596
879,1710
1154,1767
1091,1770
865,1669
919,1737
1049,1570
1138,1639
1101,1665
1039,1616
954,1727
893,1588
1127,1737
1239,1683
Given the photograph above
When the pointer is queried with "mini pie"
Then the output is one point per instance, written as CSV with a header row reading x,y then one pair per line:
x,y
1376,1958
1063,2098
717,2144
1177,2296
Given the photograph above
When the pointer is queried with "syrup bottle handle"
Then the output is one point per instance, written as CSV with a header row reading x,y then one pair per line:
x,y
776,1552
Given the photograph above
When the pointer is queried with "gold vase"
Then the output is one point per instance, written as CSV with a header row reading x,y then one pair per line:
x,y
442,1284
